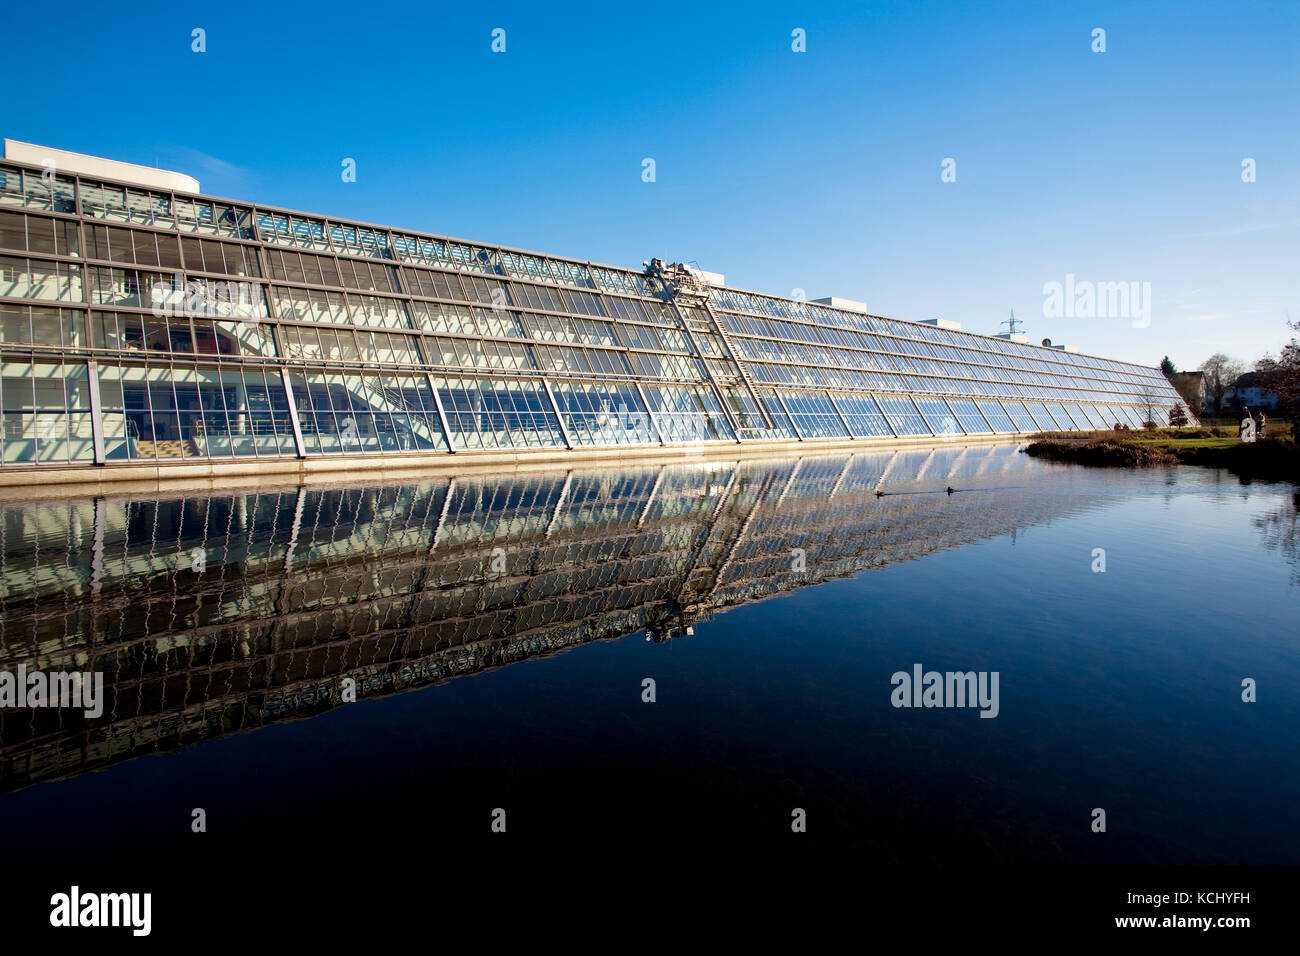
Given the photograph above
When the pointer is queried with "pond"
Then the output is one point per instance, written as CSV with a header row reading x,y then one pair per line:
x,y
695,651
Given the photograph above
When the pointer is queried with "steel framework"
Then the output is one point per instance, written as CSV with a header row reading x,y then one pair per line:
x,y
151,326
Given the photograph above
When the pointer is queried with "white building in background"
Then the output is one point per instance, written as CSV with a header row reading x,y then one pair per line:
x,y
1248,391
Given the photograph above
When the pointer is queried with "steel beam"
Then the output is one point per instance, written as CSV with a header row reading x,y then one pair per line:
x,y
293,414
848,429
785,408
96,411
442,413
654,422
559,419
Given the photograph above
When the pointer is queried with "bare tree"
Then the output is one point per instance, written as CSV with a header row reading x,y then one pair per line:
x,y
1282,374
1151,398
1221,373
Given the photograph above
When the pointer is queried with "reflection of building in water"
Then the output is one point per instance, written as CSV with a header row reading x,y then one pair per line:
x,y
226,612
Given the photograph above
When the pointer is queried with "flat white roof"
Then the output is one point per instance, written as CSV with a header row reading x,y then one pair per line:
x,y
848,305
715,279
65,162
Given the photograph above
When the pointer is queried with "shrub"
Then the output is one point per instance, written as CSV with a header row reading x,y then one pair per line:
x,y
1104,451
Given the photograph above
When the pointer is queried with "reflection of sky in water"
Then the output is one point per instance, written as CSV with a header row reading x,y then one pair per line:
x,y
1118,690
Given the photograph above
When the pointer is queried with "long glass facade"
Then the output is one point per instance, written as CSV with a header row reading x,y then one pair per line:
x,y
152,326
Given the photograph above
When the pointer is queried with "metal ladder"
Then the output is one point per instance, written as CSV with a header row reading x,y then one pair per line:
x,y
676,282
740,367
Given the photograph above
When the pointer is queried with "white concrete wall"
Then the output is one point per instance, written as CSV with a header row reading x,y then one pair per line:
x,y
67,163
848,305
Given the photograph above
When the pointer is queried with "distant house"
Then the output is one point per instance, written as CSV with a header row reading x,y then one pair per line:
x,y
1248,391
1191,385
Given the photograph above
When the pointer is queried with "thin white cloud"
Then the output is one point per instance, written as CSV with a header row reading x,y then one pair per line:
x,y
1242,230
200,164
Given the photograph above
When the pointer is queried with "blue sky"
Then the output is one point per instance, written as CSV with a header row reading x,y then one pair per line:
x,y
817,171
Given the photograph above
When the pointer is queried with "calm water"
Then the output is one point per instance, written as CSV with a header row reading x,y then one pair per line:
x,y
497,631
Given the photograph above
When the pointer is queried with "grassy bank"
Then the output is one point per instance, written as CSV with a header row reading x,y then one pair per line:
x,y
1269,459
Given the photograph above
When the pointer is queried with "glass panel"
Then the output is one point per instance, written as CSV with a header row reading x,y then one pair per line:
x,y
45,407
996,417
746,411
940,416
968,415
498,414
1041,415
603,414
37,279
1020,416
903,417
814,415
688,414
865,418
1062,418
1073,413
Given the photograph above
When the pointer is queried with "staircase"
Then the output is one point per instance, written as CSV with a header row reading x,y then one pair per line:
x,y
740,367
679,282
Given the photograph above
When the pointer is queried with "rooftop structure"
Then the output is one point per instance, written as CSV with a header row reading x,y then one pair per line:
x,y
61,161
142,323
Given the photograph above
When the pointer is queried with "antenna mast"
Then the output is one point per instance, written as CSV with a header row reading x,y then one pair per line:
x,y
1012,325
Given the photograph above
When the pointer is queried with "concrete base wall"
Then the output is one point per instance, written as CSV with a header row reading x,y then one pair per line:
x,y
129,478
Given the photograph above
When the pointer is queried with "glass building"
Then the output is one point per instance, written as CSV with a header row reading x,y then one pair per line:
x,y
139,323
